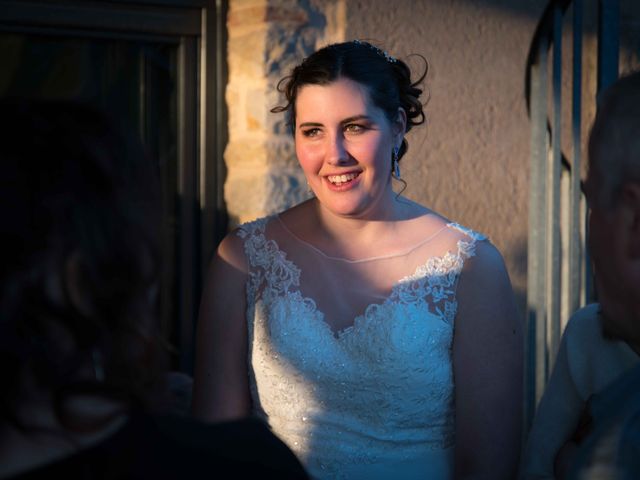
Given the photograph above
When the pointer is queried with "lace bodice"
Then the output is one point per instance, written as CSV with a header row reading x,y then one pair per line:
x,y
375,395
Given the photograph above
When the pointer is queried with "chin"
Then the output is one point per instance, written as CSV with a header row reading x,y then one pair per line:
x,y
345,212
341,208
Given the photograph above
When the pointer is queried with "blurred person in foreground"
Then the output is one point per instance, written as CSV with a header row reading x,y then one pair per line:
x,y
84,373
588,422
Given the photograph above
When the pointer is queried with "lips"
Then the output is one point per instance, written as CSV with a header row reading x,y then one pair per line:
x,y
342,179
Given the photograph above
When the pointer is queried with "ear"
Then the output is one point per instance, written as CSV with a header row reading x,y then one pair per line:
x,y
630,200
399,125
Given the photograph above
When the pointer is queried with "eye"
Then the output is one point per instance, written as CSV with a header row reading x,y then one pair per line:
x,y
311,132
354,128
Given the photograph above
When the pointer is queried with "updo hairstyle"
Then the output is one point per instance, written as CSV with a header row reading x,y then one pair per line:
x,y
387,80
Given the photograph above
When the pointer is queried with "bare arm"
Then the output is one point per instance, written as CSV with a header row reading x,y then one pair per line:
x,y
488,370
221,383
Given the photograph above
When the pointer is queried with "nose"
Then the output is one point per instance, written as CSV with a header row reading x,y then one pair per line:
x,y
337,153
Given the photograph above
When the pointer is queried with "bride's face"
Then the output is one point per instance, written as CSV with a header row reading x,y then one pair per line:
x,y
344,144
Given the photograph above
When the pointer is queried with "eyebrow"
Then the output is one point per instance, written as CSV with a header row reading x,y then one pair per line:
x,y
343,122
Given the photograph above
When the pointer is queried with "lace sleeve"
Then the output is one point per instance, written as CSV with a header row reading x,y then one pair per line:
x,y
436,281
269,268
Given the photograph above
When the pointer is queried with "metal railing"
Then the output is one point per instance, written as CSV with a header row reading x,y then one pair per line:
x,y
558,273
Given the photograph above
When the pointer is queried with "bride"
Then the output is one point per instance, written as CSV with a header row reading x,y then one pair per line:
x,y
377,338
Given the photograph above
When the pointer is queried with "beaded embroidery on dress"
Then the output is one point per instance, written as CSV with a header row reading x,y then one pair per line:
x,y
374,398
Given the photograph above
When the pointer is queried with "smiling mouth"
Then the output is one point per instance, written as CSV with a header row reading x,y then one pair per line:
x,y
338,180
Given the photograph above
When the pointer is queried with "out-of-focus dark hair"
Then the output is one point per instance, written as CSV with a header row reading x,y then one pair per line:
x,y
79,206
387,80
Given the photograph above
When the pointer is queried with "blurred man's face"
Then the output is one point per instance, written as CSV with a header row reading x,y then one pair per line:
x,y
607,250
600,225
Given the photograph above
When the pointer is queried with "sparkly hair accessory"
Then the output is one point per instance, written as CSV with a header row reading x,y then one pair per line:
x,y
387,57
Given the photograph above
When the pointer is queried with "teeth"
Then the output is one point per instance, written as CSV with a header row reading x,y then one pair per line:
x,y
340,179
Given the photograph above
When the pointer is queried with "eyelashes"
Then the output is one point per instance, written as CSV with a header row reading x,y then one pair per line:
x,y
355,128
311,132
350,128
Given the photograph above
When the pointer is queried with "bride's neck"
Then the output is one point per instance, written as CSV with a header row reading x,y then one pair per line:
x,y
354,235
377,218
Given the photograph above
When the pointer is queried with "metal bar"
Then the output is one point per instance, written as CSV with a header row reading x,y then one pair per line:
x,y
535,360
576,249
565,240
188,225
207,137
553,257
608,42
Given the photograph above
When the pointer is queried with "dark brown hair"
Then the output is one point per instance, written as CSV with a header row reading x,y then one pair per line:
x,y
73,187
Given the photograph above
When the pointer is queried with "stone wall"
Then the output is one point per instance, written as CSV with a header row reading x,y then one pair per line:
x,y
266,38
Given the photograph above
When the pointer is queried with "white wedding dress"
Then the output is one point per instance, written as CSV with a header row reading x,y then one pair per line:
x,y
374,399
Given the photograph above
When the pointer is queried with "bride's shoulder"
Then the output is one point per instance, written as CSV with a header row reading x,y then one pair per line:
x,y
474,247
246,235
252,227
430,222
484,265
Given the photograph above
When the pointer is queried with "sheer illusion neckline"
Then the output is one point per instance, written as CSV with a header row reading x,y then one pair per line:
x,y
366,259
281,276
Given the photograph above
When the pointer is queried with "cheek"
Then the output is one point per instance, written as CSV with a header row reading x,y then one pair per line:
x,y
597,230
305,159
309,158
604,247
382,156
595,243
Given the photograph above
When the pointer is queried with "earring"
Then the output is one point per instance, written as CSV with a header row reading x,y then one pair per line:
x,y
395,163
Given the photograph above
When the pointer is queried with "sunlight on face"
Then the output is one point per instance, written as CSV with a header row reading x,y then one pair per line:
x,y
344,145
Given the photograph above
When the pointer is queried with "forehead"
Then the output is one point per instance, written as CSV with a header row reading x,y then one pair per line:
x,y
339,99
